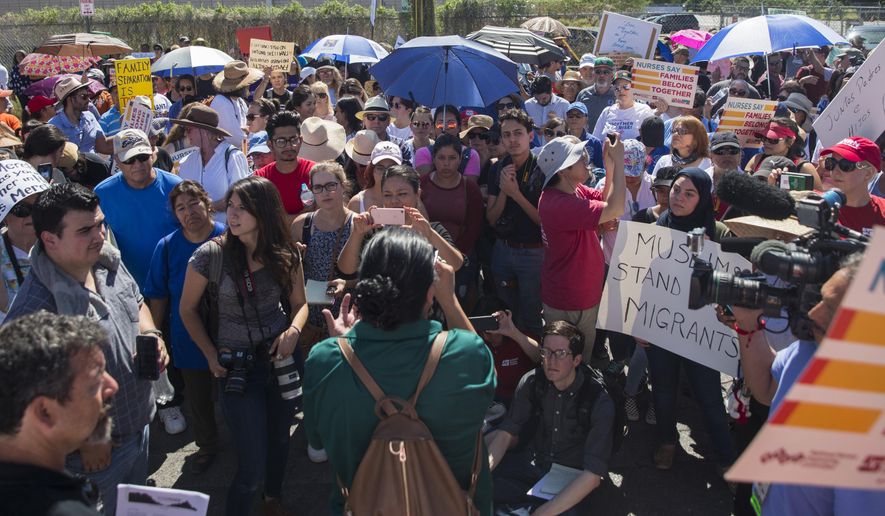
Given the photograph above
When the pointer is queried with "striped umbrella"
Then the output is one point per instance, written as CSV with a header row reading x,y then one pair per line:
x,y
520,45
547,25
46,65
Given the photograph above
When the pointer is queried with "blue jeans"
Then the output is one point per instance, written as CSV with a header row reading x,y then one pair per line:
x,y
522,266
129,465
513,478
259,421
706,388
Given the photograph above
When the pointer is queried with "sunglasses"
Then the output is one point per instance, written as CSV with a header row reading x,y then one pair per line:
x,y
509,105
22,210
379,118
421,124
550,133
322,95
845,165
331,187
681,131
606,71
737,92
771,141
622,87
450,124
730,151
185,88
141,158
482,136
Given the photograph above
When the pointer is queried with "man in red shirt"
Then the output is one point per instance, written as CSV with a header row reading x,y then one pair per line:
x,y
289,171
853,163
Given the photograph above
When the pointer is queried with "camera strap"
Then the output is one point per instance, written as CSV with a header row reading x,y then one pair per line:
x,y
247,286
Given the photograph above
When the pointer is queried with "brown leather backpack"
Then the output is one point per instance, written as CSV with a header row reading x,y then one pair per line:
x,y
403,472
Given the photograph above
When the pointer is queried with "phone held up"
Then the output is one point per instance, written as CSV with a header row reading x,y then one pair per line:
x,y
484,323
147,357
45,170
389,216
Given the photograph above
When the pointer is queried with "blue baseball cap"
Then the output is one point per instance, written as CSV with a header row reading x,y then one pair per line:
x,y
580,106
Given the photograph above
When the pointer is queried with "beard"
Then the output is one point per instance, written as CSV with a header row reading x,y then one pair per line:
x,y
102,432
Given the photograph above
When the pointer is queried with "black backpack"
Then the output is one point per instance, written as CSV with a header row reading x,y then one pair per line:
x,y
594,384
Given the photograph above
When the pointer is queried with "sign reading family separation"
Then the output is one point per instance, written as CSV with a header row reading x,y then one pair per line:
x,y
646,295
18,180
133,78
670,82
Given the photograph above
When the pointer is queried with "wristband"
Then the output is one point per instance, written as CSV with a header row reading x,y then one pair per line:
x,y
760,325
153,331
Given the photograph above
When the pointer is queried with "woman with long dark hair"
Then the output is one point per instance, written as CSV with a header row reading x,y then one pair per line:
x,y
256,338
345,114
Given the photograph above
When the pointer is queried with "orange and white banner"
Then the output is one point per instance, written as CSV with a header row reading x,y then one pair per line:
x,y
746,117
675,84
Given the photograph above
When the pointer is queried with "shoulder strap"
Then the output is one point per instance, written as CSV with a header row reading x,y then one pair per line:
x,y
436,350
307,228
360,369
215,261
15,265
465,159
227,152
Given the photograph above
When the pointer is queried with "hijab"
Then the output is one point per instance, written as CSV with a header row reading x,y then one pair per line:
x,y
703,215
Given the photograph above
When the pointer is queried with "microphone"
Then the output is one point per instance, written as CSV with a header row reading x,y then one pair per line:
x,y
755,197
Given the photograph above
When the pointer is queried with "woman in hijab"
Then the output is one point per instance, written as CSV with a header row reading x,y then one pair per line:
x,y
691,206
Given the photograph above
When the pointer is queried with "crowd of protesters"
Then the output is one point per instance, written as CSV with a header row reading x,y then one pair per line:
x,y
510,210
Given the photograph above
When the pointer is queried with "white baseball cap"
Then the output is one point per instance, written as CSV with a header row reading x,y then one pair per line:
x,y
386,150
559,154
587,60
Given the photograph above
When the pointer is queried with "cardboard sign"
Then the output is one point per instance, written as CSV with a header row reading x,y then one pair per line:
x,y
245,36
829,430
18,180
619,33
746,117
133,78
675,84
139,115
859,108
646,295
276,55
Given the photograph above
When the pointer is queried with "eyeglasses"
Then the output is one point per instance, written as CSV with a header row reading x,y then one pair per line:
x,y
283,142
185,88
681,131
575,116
253,116
550,133
660,190
379,118
424,125
482,136
331,187
322,95
844,164
22,210
450,124
736,92
771,141
141,158
729,151
794,110
508,105
622,87
559,354
604,71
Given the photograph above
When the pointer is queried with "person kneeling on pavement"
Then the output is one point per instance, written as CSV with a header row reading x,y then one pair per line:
x,y
565,416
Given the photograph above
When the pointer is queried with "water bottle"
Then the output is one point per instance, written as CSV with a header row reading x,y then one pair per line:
x,y
306,195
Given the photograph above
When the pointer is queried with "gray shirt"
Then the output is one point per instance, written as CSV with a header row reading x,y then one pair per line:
x,y
595,103
559,437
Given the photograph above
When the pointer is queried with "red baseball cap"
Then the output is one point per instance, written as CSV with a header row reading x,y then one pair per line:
x,y
776,130
38,103
856,149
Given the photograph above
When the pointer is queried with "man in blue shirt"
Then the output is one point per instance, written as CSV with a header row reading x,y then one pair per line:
x,y
79,125
112,120
136,202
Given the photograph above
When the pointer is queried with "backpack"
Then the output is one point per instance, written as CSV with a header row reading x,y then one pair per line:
x,y
403,471
594,384
208,307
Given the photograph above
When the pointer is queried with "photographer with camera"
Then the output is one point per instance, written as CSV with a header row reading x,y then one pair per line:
x,y
251,272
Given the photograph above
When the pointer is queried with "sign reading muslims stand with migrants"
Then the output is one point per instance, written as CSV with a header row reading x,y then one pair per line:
x,y
670,82
133,78
746,117
646,295
276,55
18,180
619,34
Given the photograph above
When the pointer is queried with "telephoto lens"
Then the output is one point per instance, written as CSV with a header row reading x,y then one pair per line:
x,y
287,377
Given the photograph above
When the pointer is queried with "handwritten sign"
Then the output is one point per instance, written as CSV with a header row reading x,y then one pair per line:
x,y
87,7
746,117
859,108
619,33
276,55
139,114
133,78
675,84
646,295
829,430
18,180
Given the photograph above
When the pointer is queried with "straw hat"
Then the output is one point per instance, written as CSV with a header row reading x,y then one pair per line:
x,y
572,76
321,140
8,137
360,147
66,86
202,117
477,122
375,105
236,75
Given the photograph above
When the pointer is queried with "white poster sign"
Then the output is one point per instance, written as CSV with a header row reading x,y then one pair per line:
x,y
18,180
133,500
139,115
87,7
619,34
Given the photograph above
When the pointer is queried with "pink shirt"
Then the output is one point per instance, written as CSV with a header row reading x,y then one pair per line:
x,y
573,270
423,157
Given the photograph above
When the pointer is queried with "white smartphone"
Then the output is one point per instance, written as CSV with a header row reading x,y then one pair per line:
x,y
389,216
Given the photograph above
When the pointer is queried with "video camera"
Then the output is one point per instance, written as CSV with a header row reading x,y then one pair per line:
x,y
803,265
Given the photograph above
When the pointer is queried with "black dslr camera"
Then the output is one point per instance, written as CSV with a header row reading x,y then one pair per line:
x,y
238,363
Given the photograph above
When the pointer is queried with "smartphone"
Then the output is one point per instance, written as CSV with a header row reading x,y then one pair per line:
x,y
611,138
147,357
45,170
796,181
484,323
389,216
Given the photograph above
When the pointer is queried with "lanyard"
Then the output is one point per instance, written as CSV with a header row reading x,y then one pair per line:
x,y
248,285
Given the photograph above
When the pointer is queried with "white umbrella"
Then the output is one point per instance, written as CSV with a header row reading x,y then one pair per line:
x,y
193,60
347,48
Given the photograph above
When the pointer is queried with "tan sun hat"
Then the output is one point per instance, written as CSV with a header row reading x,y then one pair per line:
x,y
572,76
321,140
66,86
476,122
360,147
202,117
236,75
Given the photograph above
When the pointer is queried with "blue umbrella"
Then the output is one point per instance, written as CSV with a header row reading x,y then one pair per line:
x,y
764,35
347,48
446,70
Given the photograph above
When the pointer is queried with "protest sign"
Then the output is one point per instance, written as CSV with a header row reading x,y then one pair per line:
x,y
859,108
245,35
646,295
746,117
672,83
139,114
619,33
276,55
87,7
133,78
160,501
18,180
829,430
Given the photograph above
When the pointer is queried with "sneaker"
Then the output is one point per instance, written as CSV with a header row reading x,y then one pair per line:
x,y
173,420
632,409
650,416
664,456
316,456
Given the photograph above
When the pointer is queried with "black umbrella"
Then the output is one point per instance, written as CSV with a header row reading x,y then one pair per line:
x,y
520,45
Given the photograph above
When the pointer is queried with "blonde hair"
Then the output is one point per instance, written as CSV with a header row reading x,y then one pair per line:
x,y
320,87
334,168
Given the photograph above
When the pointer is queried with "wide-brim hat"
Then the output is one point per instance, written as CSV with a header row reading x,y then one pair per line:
x,y
235,76
360,147
572,76
202,117
477,122
376,105
8,137
65,87
321,140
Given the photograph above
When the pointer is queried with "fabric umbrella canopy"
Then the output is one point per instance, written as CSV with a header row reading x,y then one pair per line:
x,y
764,35
47,65
691,38
520,45
347,48
192,60
83,44
546,25
446,70
46,87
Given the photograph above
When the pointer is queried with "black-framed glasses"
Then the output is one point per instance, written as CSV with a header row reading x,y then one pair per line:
x,y
559,354
424,125
141,158
185,88
330,187
508,105
737,93
22,210
283,142
728,151
550,133
379,118
846,165
478,135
